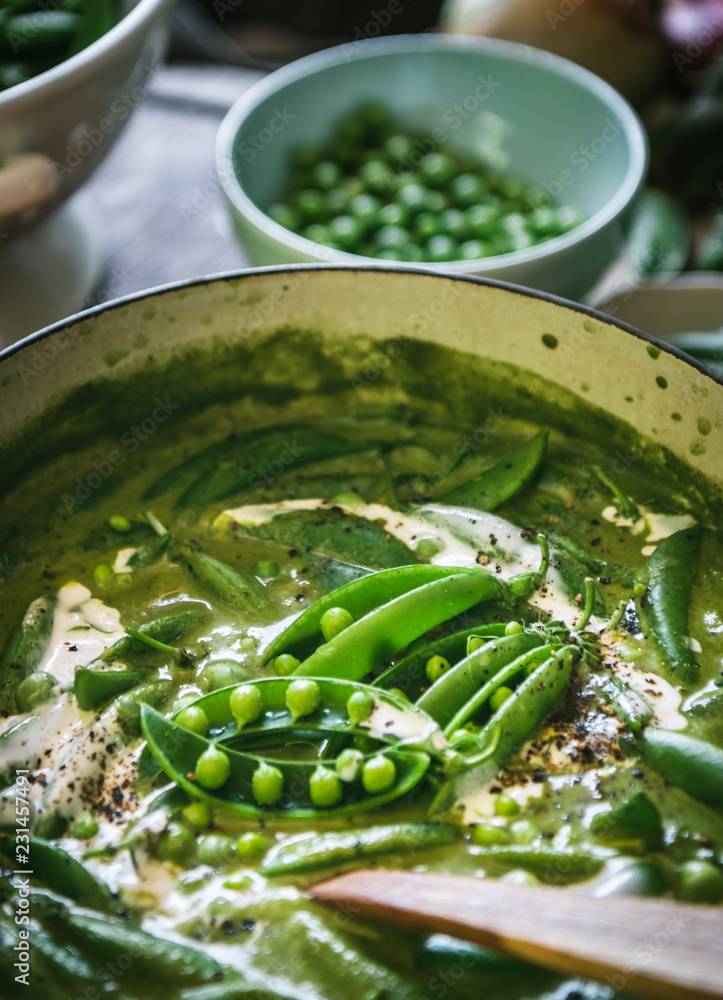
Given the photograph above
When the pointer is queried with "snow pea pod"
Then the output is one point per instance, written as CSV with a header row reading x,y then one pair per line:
x,y
241,592
94,688
332,532
61,873
686,762
552,865
504,670
149,552
409,673
178,750
25,647
573,579
635,823
628,705
669,577
369,641
635,878
503,481
448,695
510,726
167,629
255,467
231,448
331,850
151,956
359,598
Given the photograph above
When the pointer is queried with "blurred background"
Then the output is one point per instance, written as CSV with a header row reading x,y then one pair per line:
x,y
153,210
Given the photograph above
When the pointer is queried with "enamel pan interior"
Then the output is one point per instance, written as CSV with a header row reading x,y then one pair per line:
x,y
304,331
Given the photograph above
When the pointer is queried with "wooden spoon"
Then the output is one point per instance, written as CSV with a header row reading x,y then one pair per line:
x,y
655,948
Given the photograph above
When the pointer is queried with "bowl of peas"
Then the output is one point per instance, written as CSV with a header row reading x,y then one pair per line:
x,y
467,155
71,74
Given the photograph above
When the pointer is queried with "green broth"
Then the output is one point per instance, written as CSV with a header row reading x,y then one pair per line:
x,y
337,519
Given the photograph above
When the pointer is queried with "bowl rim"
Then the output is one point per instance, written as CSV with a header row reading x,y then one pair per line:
x,y
632,129
127,29
382,267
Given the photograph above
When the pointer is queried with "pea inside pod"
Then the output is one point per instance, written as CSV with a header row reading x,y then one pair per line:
x,y
254,786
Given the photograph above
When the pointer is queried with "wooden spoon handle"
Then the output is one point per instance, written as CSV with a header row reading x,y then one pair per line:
x,y
655,948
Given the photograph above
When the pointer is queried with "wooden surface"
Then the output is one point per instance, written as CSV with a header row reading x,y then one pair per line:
x,y
654,948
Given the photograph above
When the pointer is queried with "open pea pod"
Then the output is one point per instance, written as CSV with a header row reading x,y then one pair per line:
x,y
363,646
178,751
510,726
359,598
507,674
503,481
389,717
409,673
444,699
669,576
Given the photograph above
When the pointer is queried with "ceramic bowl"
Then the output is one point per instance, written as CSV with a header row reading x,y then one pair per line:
x,y
530,113
64,121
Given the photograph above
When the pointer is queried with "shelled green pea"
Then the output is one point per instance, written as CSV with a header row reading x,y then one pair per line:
x,y
377,191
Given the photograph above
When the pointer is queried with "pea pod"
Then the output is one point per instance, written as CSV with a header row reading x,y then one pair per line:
x,y
178,751
391,719
635,823
331,850
167,629
507,671
94,688
359,598
634,878
372,639
61,873
153,958
149,552
629,706
444,699
241,592
669,576
573,579
511,725
409,674
255,466
503,481
24,648
551,864
331,532
231,448
686,762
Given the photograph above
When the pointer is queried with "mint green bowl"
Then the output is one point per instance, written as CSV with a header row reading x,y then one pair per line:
x,y
535,115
